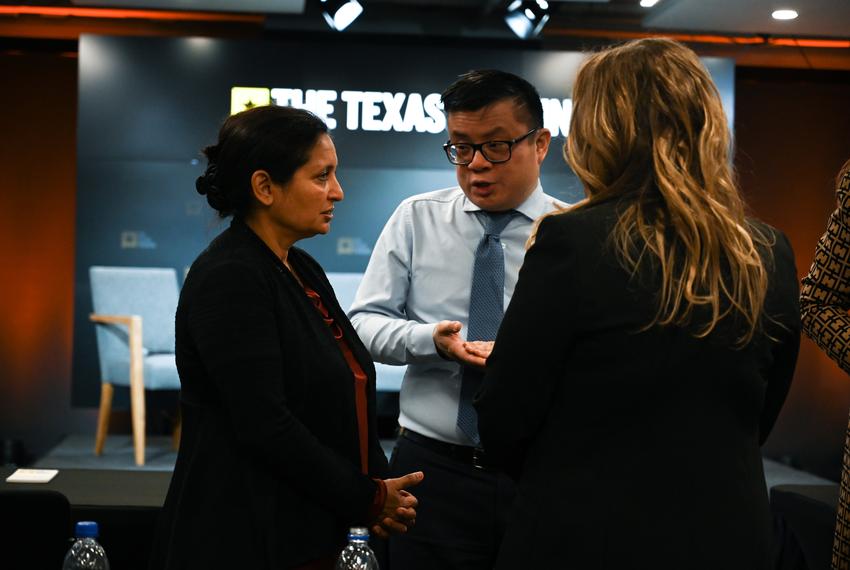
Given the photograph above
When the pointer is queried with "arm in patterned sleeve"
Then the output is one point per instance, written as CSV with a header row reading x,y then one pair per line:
x,y
825,293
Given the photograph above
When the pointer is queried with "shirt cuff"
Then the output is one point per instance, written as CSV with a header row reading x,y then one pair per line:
x,y
378,501
421,342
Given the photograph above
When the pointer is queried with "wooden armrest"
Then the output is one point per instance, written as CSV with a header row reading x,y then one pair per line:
x,y
126,320
134,333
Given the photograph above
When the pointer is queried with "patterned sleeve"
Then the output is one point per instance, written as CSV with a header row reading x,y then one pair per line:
x,y
825,292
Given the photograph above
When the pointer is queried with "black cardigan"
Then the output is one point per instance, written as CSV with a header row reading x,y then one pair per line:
x,y
267,475
633,449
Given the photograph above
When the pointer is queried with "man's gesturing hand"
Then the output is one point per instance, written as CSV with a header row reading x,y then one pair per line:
x,y
449,344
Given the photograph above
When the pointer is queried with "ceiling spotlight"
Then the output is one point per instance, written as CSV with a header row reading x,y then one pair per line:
x,y
648,3
340,13
527,17
784,14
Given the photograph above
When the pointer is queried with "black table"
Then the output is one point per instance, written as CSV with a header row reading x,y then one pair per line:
x,y
125,504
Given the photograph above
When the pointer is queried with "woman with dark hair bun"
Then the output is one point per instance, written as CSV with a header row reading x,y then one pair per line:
x,y
279,454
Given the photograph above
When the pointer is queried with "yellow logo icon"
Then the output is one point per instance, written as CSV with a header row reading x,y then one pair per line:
x,y
242,98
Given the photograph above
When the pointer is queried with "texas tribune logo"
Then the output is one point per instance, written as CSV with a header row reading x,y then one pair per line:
x,y
377,110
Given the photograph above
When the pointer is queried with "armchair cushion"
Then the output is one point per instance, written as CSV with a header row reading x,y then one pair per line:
x,y
160,372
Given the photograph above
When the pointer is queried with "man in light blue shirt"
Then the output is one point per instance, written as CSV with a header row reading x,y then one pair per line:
x,y
413,307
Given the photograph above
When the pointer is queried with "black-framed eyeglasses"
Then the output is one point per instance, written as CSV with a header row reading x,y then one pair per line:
x,y
494,151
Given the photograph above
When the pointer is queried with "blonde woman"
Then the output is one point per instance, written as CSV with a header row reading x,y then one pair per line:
x,y
650,342
824,300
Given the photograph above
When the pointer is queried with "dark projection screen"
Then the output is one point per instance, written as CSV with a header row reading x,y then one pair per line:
x,y
148,105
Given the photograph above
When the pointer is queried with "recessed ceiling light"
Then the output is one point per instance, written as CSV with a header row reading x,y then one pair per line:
x,y
648,3
784,14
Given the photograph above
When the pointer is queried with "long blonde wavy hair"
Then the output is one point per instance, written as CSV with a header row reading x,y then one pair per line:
x,y
648,126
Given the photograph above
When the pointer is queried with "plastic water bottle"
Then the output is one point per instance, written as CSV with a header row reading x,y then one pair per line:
x,y
86,553
357,555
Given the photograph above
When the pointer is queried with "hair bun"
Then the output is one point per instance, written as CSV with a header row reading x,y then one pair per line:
x,y
206,183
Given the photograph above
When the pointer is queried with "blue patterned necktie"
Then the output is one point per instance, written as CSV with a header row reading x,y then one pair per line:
x,y
486,309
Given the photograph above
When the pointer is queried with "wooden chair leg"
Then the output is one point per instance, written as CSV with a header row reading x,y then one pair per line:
x,y
106,392
137,390
137,411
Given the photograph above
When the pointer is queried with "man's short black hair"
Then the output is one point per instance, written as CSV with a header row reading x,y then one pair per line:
x,y
478,88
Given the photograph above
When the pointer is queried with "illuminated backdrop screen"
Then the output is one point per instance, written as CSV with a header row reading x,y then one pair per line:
x,y
148,105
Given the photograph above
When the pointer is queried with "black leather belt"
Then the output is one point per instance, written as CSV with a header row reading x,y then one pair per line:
x,y
467,454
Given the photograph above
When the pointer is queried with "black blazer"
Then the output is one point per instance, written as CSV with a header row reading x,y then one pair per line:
x,y
631,449
268,472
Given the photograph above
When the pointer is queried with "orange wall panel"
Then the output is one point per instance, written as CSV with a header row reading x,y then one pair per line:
x,y
38,102
792,131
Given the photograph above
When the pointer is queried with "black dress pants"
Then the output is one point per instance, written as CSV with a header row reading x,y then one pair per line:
x,y
462,513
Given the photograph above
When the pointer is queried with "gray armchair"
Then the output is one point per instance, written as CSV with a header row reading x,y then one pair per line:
x,y
134,310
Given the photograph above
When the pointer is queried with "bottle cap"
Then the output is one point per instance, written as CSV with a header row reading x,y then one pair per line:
x,y
358,533
86,529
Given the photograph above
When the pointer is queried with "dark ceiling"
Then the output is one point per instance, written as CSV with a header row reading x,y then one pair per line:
x,y
741,29
817,18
